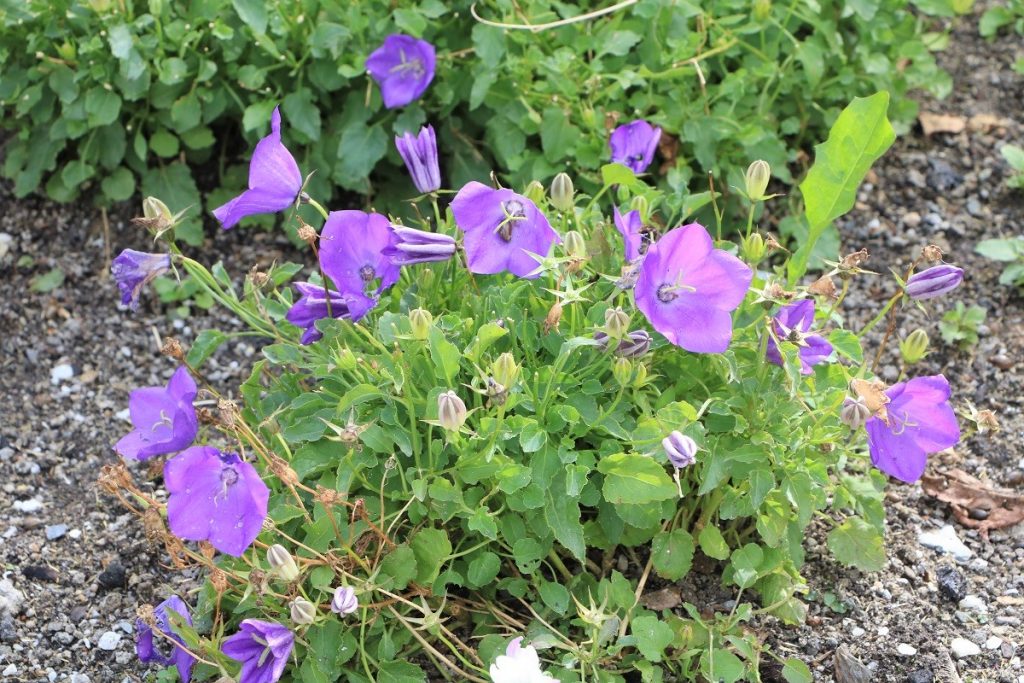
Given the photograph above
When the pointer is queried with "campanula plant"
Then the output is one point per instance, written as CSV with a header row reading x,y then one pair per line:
x,y
473,443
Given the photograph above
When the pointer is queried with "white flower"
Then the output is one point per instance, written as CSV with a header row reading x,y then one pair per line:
x,y
519,665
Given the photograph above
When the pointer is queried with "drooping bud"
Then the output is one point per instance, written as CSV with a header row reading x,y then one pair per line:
x,y
534,192
420,320
854,413
753,248
303,611
680,449
504,370
622,371
758,175
344,601
281,561
562,193
574,244
640,204
915,347
934,281
451,411
616,322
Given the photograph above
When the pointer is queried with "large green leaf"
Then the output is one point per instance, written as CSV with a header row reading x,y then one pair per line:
x,y
856,543
634,479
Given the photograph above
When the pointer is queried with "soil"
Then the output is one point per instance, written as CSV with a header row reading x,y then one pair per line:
x,y
77,565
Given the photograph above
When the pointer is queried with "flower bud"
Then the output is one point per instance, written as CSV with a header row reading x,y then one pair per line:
x,y
640,376
753,248
854,413
622,371
344,601
534,192
504,370
758,175
574,244
281,561
562,193
153,208
640,204
680,449
914,347
303,611
935,281
345,359
616,322
421,321
762,8
633,345
451,411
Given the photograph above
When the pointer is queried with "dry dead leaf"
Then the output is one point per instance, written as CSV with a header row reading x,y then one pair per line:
x,y
824,286
965,493
941,123
666,598
982,123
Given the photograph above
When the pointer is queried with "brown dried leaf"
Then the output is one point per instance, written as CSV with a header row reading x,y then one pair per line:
x,y
965,493
666,598
941,123
873,395
823,286
983,123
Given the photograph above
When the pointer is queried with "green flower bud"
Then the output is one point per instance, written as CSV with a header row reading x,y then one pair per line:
x,y
504,370
758,175
281,561
451,411
421,321
753,248
534,192
640,204
915,347
616,322
762,8
641,376
574,245
153,208
622,371
562,192
303,611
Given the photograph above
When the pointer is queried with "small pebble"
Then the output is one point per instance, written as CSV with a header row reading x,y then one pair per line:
x,y
952,583
109,641
857,632
55,531
945,540
906,650
993,642
962,647
974,604
30,505
921,676
11,670
61,373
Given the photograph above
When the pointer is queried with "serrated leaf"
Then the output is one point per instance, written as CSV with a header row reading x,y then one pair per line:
x,y
672,554
47,282
617,174
432,548
847,344
445,355
652,636
712,543
856,543
795,671
634,480
203,347
400,565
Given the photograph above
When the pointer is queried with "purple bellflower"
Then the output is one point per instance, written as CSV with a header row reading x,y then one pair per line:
x,y
633,145
630,226
403,68
793,323
164,419
352,246
215,497
274,180
133,270
680,449
344,601
419,152
262,647
150,648
918,421
312,306
688,289
935,281
501,230
409,246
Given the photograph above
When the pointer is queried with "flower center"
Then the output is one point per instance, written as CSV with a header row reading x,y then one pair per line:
x,y
228,478
514,211
367,273
164,421
412,67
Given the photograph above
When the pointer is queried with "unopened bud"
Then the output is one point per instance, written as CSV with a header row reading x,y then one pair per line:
x,y
680,449
504,370
345,359
640,204
153,208
282,562
622,371
854,413
574,244
762,8
534,192
758,175
451,411
934,281
616,322
344,601
753,248
421,320
303,611
915,347
562,193
640,376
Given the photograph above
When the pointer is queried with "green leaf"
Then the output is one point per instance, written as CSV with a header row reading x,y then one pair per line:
x,y
745,563
445,355
485,337
672,554
795,671
120,38
257,115
652,636
432,548
186,113
119,185
555,596
203,347
634,479
617,174
847,344
302,114
400,565
860,135
722,666
47,282
994,19
713,543
76,172
253,13
1014,156
532,437
483,569
164,143
1001,249
557,136
856,543
359,150
102,107
398,671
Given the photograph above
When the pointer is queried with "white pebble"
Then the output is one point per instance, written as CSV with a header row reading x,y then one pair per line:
x,y
906,650
30,505
61,373
75,533
945,540
109,641
993,642
857,632
883,630
11,670
974,604
962,647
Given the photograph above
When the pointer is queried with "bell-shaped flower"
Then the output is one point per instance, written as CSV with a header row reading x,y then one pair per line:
x,y
633,145
262,647
164,419
519,664
630,226
410,246
918,420
352,246
793,324
312,306
935,281
133,270
403,68
502,229
215,497
151,647
680,449
688,289
419,152
274,180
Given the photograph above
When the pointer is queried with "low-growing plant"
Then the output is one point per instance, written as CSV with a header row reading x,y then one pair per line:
x,y
959,327
491,435
1014,156
1009,14
1009,250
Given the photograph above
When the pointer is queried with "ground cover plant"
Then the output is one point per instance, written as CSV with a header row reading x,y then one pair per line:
x,y
107,99
475,441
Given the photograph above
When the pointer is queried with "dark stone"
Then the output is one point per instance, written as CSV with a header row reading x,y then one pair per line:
x,y
113,576
952,583
40,573
8,633
978,513
77,614
921,676
849,669
942,177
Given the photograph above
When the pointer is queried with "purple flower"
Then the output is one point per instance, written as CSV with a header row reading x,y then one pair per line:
x,y
409,246
633,345
274,180
793,323
688,289
150,649
918,421
403,68
419,152
164,419
934,281
501,229
262,647
133,270
629,226
215,497
344,601
312,306
680,449
352,246
633,145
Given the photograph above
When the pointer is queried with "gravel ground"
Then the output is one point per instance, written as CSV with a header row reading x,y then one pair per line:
x,y
76,566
